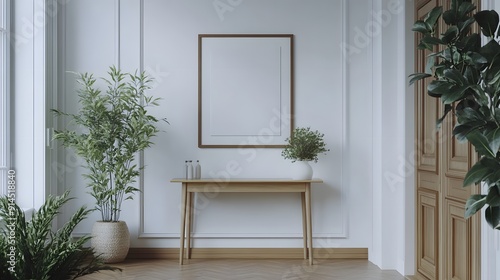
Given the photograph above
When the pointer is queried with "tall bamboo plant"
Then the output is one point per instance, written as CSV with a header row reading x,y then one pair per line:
x,y
111,127
31,250
466,78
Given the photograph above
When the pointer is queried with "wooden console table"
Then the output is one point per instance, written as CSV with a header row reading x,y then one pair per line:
x,y
189,187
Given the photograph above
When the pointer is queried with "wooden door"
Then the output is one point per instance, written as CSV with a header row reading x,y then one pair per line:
x,y
448,246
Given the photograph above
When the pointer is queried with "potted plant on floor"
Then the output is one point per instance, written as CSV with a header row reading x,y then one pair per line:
x,y
466,77
111,127
31,250
304,146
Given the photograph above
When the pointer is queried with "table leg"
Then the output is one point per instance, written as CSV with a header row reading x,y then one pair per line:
x,y
189,216
304,223
183,221
309,222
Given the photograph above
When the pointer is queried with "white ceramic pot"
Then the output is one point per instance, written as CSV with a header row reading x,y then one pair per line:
x,y
302,170
111,241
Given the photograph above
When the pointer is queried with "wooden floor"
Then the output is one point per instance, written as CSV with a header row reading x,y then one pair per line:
x,y
235,269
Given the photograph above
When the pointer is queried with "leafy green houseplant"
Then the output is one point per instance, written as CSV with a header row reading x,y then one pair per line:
x,y
110,128
31,250
303,146
466,78
116,126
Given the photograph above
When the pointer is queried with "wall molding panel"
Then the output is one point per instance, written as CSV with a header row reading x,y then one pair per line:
x,y
342,233
151,36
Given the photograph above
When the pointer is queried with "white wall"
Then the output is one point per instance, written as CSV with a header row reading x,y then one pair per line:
x,y
161,38
359,106
407,168
393,190
348,84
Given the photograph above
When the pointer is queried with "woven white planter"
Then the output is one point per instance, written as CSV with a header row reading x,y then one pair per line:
x,y
111,241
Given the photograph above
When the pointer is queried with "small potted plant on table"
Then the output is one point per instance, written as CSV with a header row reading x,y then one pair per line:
x,y
304,146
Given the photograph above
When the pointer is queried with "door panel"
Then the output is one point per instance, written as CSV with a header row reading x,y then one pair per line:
x,y
427,180
428,239
457,153
453,189
448,245
427,108
458,242
427,134
427,143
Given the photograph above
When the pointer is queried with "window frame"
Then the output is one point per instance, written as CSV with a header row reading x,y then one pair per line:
x,y
5,152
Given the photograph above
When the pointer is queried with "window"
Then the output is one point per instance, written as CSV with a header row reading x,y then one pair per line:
x,y
4,96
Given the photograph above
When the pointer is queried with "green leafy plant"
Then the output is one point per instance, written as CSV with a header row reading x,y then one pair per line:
x,y
466,77
111,128
304,145
31,250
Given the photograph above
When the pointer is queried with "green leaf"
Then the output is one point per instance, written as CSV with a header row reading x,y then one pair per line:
x,y
455,4
493,197
429,65
464,26
492,216
465,8
450,35
496,115
467,115
476,174
480,142
447,109
451,55
471,74
492,163
424,46
429,40
492,76
488,21
436,88
474,204
493,177
472,43
455,94
462,130
417,76
490,50
477,58
432,17
481,97
449,17
494,139
455,75
422,27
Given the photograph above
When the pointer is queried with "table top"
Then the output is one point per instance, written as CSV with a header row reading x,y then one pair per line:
x,y
244,180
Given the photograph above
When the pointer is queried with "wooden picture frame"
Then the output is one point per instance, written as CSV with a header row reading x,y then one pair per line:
x,y
245,90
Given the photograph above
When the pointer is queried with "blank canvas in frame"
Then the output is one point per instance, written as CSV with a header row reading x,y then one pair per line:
x,y
245,90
